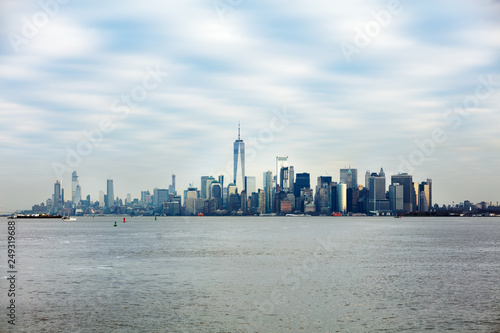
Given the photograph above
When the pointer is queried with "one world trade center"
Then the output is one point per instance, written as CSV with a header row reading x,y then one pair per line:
x,y
239,153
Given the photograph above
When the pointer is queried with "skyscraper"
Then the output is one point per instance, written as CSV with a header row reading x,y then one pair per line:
x,y
367,179
207,186
57,192
323,192
160,197
342,197
78,195
239,154
302,181
284,179
396,197
349,177
110,193
203,187
409,196
250,185
424,195
268,189
171,188
74,185
377,199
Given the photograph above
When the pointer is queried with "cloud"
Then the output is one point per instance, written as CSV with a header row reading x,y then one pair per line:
x,y
239,67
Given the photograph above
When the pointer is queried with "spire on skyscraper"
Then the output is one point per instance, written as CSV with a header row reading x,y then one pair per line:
x,y
239,154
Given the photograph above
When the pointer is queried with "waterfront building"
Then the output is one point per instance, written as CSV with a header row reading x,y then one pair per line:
x,y
110,193
239,155
409,198
203,187
268,189
396,197
342,197
74,185
377,198
160,197
250,185
291,179
349,177
322,197
302,181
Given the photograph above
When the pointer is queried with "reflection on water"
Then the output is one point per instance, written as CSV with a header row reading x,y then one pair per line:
x,y
258,275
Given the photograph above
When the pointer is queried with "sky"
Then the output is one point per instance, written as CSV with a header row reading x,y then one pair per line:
x,y
136,91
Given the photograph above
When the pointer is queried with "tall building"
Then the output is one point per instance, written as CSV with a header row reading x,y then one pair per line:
x,y
191,200
250,185
74,184
291,178
78,195
203,187
429,182
406,181
221,181
268,189
110,193
208,184
367,179
284,179
102,197
239,154
160,197
396,197
349,177
57,192
302,181
424,195
216,194
322,197
377,199
342,197
171,188
262,201
281,162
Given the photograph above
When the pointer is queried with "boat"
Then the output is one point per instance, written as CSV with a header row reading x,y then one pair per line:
x,y
336,214
34,216
68,218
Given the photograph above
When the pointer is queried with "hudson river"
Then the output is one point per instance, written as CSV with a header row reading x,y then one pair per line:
x,y
254,274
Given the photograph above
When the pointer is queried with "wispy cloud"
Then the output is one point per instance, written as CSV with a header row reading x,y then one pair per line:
x,y
263,55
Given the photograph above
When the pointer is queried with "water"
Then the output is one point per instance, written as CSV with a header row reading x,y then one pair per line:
x,y
256,274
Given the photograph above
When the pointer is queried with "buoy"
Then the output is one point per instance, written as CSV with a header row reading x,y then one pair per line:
x,y
155,218
123,220
115,224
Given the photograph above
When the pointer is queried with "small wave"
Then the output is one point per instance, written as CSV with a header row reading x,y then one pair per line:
x,y
104,267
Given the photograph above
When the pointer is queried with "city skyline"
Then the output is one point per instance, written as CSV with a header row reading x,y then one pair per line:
x,y
411,88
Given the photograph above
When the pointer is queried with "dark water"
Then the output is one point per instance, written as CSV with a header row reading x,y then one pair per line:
x,y
256,274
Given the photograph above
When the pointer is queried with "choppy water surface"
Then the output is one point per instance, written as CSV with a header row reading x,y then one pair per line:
x,y
257,274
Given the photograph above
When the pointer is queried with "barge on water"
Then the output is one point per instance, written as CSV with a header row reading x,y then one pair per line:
x,y
35,216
